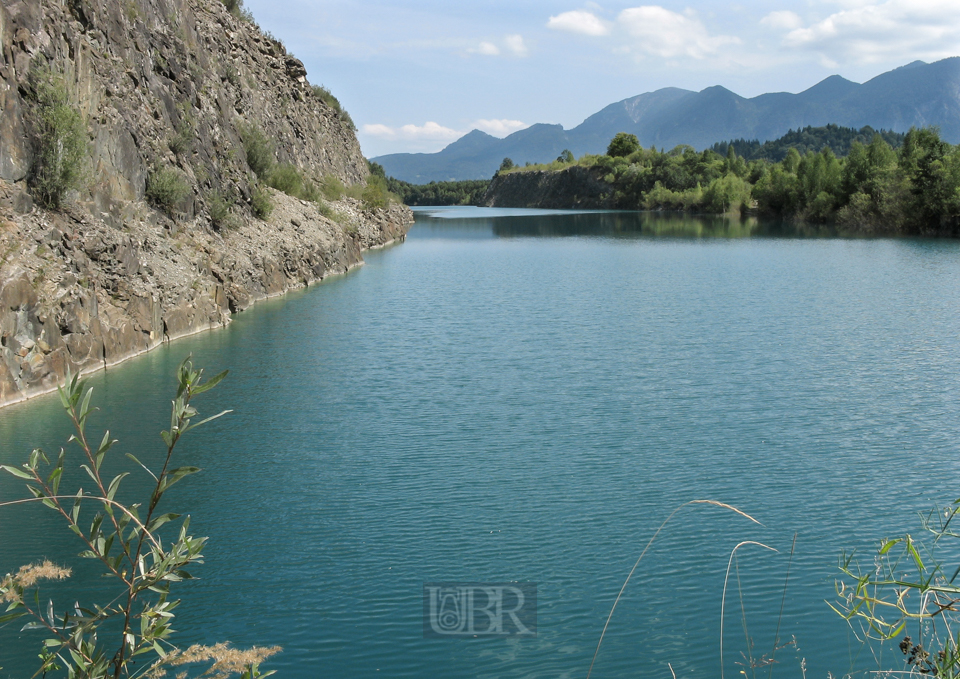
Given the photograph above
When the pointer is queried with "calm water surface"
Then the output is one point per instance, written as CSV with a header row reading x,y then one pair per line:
x,y
517,395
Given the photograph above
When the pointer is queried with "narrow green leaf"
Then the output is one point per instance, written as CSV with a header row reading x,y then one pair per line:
x,y
11,616
115,485
176,475
210,384
89,472
160,520
888,545
19,473
145,468
64,399
209,419
85,406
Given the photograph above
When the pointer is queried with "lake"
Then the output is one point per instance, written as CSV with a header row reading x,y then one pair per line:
x,y
519,395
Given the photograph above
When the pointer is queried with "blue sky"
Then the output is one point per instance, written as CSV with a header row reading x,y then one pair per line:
x,y
417,75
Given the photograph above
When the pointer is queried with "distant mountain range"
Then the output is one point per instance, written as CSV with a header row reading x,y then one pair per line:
x,y
918,94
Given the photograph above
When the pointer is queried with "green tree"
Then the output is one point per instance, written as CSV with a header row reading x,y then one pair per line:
x,y
927,161
506,165
566,156
791,161
622,145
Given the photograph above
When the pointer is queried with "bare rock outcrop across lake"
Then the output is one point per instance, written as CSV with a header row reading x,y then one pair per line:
x,y
162,85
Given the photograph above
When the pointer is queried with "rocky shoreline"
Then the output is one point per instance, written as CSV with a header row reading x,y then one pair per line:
x,y
79,294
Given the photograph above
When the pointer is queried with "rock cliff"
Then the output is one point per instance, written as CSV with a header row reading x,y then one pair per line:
x,y
574,187
161,85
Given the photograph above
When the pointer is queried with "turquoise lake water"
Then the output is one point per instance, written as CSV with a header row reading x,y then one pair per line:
x,y
525,396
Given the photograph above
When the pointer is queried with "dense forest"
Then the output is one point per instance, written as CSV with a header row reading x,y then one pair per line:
x,y
435,193
915,189
834,137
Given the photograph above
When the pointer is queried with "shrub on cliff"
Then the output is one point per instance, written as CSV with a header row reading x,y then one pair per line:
x,y
58,136
260,202
237,9
141,561
260,151
326,96
166,189
219,208
286,178
376,194
331,187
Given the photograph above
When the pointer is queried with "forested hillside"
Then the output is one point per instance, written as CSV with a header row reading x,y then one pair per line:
x,y
834,137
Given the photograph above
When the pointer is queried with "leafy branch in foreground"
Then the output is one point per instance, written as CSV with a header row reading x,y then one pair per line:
x,y
908,587
126,540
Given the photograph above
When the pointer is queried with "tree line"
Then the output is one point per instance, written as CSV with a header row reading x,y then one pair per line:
x,y
861,179
912,189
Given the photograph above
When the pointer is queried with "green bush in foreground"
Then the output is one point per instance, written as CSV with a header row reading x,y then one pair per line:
x,y
129,635
58,136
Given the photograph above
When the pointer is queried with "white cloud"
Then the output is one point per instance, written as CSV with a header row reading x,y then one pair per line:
x,y
379,131
869,32
512,44
584,23
784,20
499,128
430,131
487,49
515,44
663,33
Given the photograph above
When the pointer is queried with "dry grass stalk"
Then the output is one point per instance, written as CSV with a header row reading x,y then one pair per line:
x,y
30,575
715,503
226,661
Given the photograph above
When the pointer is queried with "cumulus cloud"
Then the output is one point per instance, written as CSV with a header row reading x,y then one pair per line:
x,y
584,23
785,20
515,44
430,131
663,33
499,128
868,32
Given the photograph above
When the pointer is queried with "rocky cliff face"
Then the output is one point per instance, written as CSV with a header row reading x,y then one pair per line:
x,y
573,187
160,84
